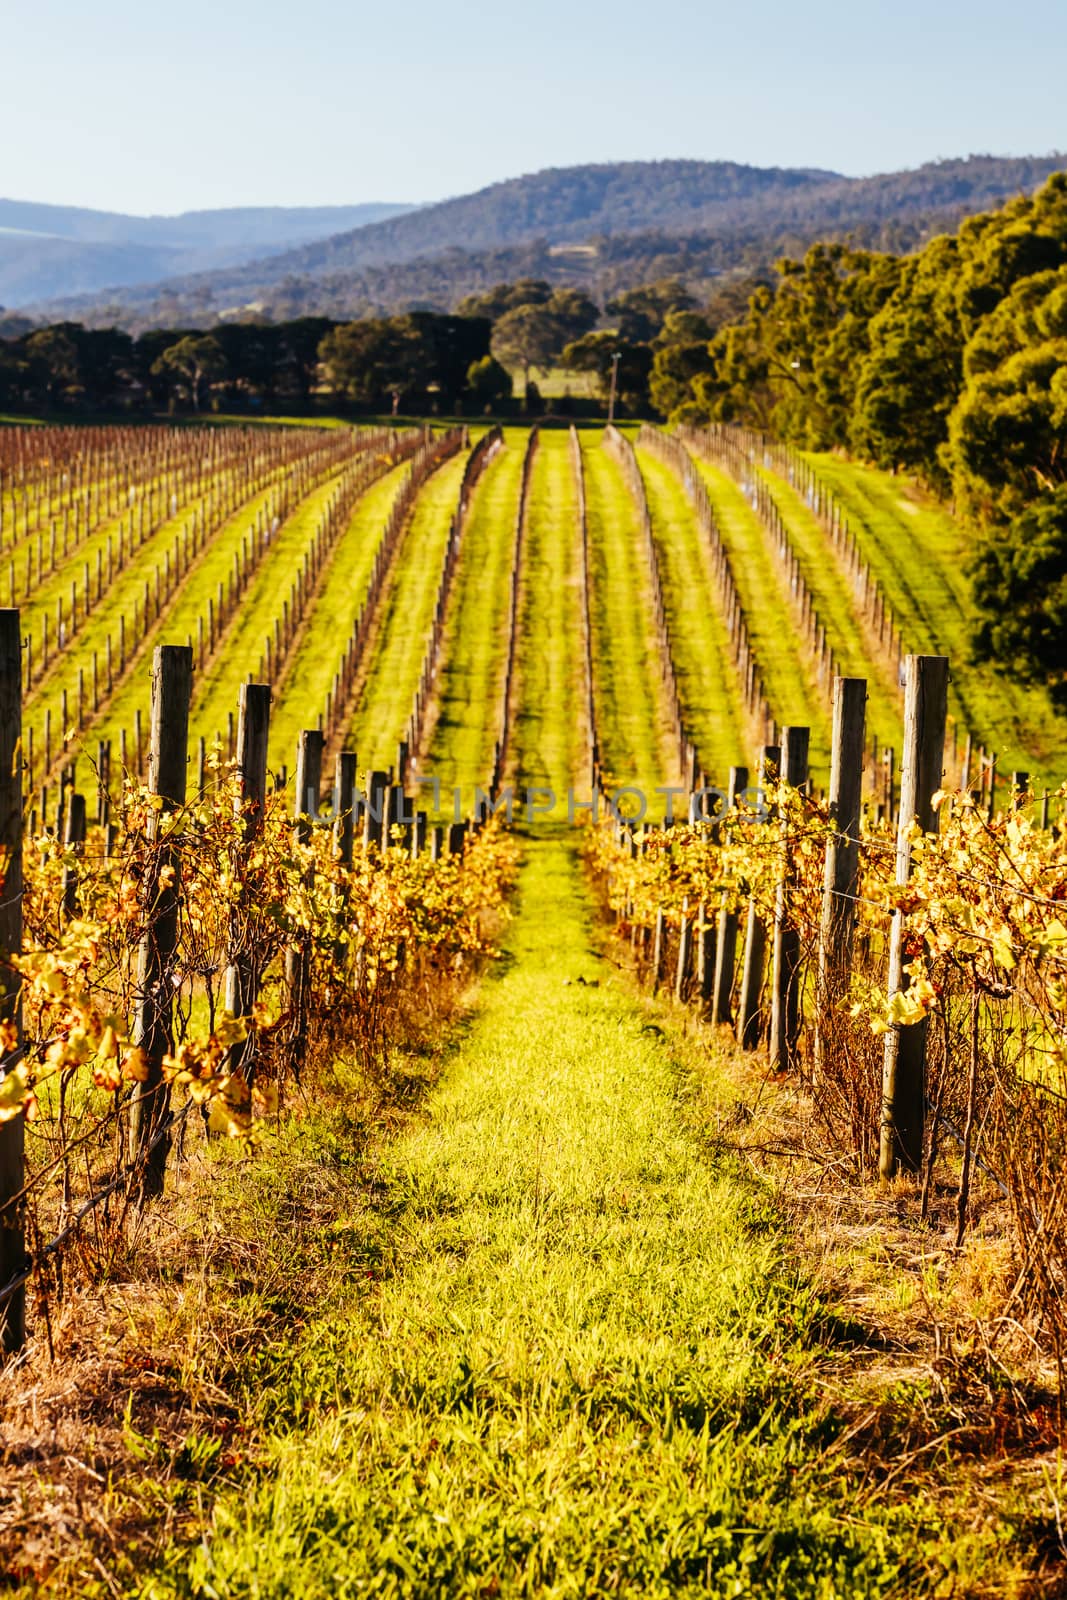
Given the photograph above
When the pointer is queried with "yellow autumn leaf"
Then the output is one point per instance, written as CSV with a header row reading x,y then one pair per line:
x,y
14,1091
135,1065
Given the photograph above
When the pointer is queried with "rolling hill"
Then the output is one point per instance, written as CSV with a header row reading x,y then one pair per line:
x,y
47,250
606,226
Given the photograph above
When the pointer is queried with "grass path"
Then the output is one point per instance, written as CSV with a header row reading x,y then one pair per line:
x,y
920,555
176,625
707,682
837,607
547,736
301,696
788,676
216,691
460,752
385,702
636,740
570,1359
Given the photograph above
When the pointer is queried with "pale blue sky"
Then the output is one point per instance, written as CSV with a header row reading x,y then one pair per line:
x,y
130,105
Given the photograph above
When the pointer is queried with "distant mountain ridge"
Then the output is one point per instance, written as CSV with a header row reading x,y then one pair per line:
x,y
48,250
635,220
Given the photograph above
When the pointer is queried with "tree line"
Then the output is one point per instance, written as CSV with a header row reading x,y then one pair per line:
x,y
950,363
419,362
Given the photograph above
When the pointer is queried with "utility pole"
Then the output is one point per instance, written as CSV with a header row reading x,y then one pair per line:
x,y
614,385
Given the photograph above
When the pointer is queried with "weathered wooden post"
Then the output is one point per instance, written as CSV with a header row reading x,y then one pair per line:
x,y
705,954
726,942
685,944
344,789
841,874
785,987
658,943
749,1017
904,1068
374,817
298,957
74,842
12,1250
172,683
253,737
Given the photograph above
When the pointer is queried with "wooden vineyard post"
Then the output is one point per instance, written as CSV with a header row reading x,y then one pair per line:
x,y
904,1068
374,827
298,957
726,942
172,684
74,841
253,735
344,826
841,875
658,943
705,953
685,942
785,986
749,1017
12,1251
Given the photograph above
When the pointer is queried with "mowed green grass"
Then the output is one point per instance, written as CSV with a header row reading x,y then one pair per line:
x,y
177,625
570,1358
838,609
123,597
548,746
388,692
300,695
637,746
920,555
216,690
471,679
703,658
789,681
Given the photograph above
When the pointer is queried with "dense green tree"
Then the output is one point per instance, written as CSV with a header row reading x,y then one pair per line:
x,y
443,348
909,378
1020,588
675,368
525,337
503,297
191,365
1008,432
487,380
367,361
53,358
535,335
595,352
250,351
297,353
641,313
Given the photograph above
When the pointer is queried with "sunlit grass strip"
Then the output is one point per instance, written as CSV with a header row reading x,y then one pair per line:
x,y
328,624
384,703
461,744
703,657
547,738
789,680
570,1357
857,654
216,690
176,624
634,722
920,555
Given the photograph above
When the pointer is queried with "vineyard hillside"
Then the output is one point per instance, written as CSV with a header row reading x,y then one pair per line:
x,y
533,1023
